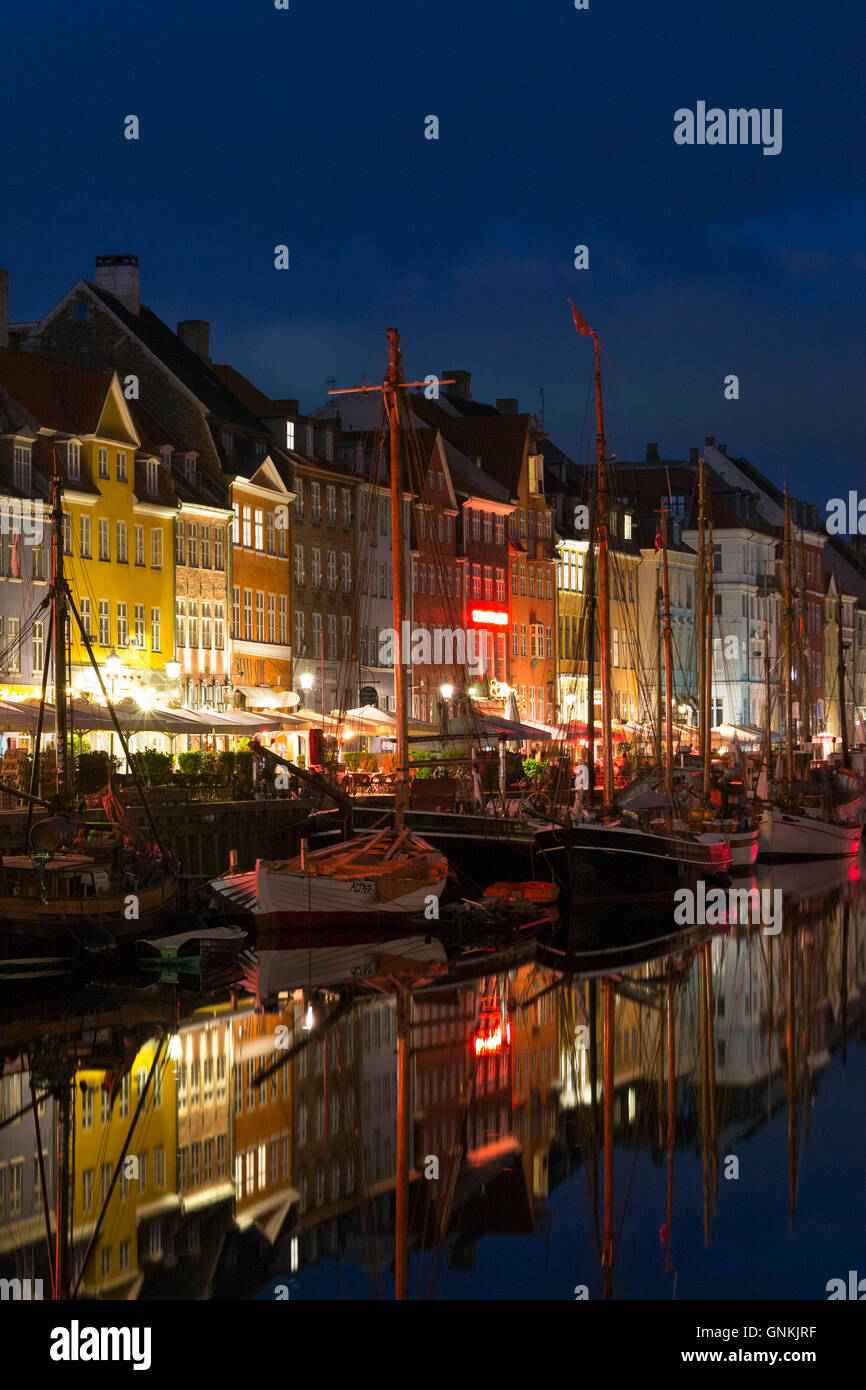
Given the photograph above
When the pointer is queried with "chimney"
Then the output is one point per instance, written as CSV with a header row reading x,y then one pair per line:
x,y
119,276
460,389
4,308
652,453
723,449
195,334
693,455
710,441
507,405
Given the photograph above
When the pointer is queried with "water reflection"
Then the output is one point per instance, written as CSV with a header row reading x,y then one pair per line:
x,y
685,1121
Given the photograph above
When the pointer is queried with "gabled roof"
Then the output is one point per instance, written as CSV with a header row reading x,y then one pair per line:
x,y
498,440
468,479
198,376
53,394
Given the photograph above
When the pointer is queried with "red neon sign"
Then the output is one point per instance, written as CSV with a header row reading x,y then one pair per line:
x,y
489,616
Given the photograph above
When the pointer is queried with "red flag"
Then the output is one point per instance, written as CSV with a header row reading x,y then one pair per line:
x,y
16,558
580,324
658,544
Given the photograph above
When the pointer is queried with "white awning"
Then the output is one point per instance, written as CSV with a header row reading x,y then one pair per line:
x,y
266,697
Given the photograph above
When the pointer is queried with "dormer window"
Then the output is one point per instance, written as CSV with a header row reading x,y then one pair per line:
x,y
226,440
22,467
329,445
152,477
626,523
189,463
311,435
290,434
73,460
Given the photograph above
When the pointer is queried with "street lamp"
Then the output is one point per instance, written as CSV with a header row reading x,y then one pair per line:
x,y
113,663
306,684
446,691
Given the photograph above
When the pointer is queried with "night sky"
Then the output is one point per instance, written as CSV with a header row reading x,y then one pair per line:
x,y
306,127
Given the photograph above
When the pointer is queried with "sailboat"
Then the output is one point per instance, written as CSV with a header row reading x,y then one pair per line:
x,y
640,854
389,871
79,883
795,826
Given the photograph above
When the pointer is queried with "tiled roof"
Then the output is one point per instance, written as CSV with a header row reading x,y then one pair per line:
x,y
498,440
54,394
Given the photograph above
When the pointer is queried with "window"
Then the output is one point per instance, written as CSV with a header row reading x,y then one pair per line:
x,y
139,544
236,524
290,434
84,537
73,460
205,547
218,548
270,533
346,506
332,637
331,504
346,571
67,534
122,633
219,640
206,624
315,501
259,530
139,627
260,616
104,546
332,570
121,468
38,646
248,527
22,468
180,623
192,548
248,615
236,612
84,610
104,623
299,565
103,463
154,630
121,542
193,622
272,618
152,477
156,547
317,568
282,611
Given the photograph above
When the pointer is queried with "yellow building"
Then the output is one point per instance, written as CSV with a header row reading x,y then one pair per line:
x,y
119,551
145,1191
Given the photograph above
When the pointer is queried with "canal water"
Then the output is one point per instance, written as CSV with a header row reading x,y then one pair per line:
x,y
687,1121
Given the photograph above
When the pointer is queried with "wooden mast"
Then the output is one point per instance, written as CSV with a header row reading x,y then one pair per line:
x,y
789,654
607,1251
404,1119
803,625
840,679
392,384
603,587
669,665
672,1120
58,622
708,664
700,629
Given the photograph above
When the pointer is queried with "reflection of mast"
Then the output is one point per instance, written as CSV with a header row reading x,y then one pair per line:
x,y
607,1252
846,918
64,1145
700,628
669,667
789,1092
403,1146
705,1094
593,1086
788,612
807,1033
711,1067
671,1123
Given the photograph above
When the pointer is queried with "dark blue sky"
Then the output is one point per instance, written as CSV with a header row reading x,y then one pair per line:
x,y
306,127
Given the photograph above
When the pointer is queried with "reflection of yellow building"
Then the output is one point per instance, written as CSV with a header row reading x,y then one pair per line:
x,y
119,547
146,1186
535,1071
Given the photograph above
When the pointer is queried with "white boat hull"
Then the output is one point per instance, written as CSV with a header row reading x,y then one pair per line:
x,y
785,836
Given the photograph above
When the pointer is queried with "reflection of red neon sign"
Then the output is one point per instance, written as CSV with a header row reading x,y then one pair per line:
x,y
489,616
488,1041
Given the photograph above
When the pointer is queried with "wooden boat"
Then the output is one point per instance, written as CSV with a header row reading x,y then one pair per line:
x,y
386,873
787,835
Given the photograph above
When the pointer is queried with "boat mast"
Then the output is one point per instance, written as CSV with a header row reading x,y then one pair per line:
x,y
768,736
58,623
590,658
805,692
390,390
669,664
789,653
840,678
708,664
701,614
603,587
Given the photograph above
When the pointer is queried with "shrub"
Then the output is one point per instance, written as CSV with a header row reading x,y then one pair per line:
x,y
189,763
152,766
92,772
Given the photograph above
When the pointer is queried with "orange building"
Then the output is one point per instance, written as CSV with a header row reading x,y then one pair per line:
x,y
261,652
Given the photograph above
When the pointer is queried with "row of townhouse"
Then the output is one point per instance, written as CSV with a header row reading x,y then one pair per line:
x,y
218,537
